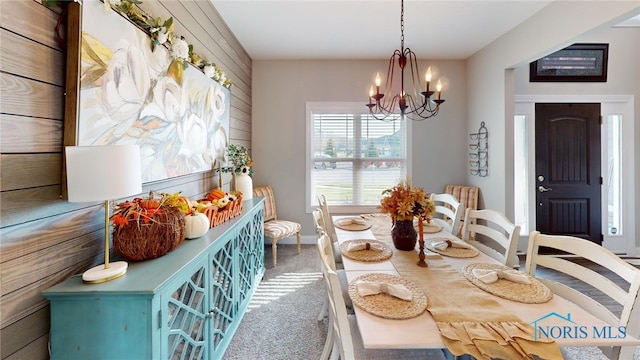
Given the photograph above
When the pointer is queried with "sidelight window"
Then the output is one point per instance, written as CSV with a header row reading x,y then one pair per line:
x,y
614,175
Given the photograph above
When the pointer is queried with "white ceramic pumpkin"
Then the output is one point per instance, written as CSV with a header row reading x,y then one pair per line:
x,y
196,225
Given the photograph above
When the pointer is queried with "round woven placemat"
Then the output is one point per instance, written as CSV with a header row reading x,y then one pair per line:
x,y
428,228
345,224
534,293
366,255
452,251
385,305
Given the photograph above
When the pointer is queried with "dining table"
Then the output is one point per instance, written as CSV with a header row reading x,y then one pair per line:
x,y
554,322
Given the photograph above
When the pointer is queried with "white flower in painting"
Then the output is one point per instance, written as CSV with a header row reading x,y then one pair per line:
x,y
153,167
170,99
125,86
209,71
192,133
219,102
180,49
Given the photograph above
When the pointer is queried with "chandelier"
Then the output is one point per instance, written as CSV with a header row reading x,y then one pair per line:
x,y
416,105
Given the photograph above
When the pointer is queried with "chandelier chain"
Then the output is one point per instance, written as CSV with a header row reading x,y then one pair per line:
x,y
402,25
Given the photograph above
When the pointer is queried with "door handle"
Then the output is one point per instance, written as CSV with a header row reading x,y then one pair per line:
x,y
543,189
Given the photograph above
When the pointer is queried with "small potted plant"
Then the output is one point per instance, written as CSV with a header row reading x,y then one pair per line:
x,y
241,169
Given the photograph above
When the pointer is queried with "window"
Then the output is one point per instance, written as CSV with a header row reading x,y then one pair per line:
x,y
521,173
614,183
351,156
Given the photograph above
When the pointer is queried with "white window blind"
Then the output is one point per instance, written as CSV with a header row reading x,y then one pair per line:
x,y
352,156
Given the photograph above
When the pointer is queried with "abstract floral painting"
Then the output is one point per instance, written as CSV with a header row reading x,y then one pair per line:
x,y
127,96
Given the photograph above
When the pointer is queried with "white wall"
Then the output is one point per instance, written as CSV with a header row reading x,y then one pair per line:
x,y
490,87
280,92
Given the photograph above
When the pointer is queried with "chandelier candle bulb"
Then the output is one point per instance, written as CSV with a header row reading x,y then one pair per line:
x,y
378,81
427,77
439,88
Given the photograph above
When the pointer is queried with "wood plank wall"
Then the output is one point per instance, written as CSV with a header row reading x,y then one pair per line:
x,y
43,239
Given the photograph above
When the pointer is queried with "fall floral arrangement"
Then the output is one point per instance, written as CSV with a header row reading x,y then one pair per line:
x,y
406,201
147,210
239,157
147,228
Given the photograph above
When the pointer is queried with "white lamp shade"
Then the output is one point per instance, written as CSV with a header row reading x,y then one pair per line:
x,y
99,173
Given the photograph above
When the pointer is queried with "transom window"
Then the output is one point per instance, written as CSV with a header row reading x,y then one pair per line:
x,y
351,156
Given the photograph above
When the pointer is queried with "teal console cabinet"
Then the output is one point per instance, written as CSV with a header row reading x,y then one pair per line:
x,y
184,305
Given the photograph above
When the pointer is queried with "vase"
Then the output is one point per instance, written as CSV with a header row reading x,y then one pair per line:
x,y
244,184
404,235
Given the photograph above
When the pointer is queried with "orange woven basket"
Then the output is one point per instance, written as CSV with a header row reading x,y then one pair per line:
x,y
137,241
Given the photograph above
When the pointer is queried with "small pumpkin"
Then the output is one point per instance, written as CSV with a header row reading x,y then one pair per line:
x,y
196,225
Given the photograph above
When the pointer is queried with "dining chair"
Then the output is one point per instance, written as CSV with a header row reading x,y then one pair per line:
x,y
318,223
330,229
343,339
578,248
495,235
467,195
342,276
274,228
448,212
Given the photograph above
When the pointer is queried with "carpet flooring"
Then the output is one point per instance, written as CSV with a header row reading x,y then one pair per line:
x,y
282,321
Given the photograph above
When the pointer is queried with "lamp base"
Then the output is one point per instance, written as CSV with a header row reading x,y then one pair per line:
x,y
100,274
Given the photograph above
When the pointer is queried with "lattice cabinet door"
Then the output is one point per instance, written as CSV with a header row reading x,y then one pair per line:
x,y
185,316
223,302
250,259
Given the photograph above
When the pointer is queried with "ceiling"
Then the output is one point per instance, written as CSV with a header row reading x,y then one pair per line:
x,y
359,29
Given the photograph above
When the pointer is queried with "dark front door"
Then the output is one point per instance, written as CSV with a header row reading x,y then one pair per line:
x,y
567,178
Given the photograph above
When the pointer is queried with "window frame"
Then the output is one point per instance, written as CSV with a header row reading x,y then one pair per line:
x,y
347,108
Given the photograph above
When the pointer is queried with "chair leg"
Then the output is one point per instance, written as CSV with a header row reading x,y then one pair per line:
x,y
323,311
335,351
328,344
298,242
274,251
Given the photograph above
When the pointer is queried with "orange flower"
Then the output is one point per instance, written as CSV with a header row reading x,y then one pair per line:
x,y
119,220
405,201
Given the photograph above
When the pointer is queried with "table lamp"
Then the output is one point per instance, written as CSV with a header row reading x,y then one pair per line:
x,y
103,173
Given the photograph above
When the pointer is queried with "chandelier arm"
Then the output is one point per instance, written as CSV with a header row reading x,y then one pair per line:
x,y
425,111
387,108
387,103
415,73
388,87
